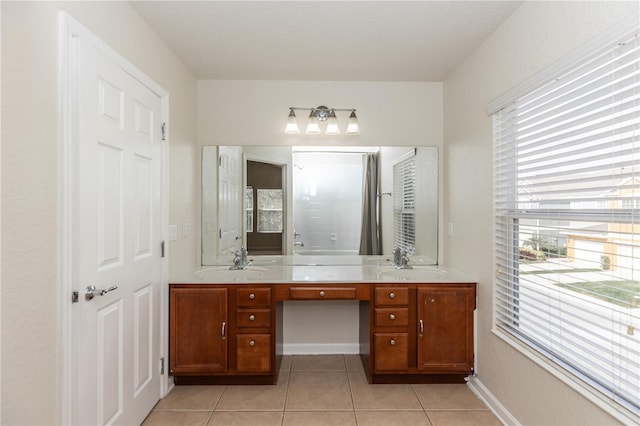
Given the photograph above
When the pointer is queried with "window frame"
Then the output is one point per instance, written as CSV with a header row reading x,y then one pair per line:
x,y
508,221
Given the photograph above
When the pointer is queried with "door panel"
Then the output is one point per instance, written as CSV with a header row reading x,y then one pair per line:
x,y
143,206
116,334
109,212
229,201
110,362
142,337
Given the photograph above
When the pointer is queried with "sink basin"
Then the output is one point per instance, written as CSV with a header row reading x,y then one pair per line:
x,y
422,274
224,274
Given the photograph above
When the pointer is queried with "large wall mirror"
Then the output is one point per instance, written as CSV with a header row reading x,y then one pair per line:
x,y
305,201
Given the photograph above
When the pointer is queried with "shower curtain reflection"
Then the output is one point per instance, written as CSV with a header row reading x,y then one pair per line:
x,y
370,237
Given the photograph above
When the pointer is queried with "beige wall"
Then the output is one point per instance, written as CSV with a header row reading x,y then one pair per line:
x,y
536,35
30,327
255,112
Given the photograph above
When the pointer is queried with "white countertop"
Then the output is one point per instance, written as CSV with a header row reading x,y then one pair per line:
x,y
321,269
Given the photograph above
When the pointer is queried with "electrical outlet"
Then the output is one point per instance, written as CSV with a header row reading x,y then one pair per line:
x,y
450,229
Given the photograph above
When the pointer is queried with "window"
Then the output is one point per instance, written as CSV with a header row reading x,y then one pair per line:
x,y
404,214
567,220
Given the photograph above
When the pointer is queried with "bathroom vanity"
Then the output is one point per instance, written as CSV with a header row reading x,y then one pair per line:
x,y
416,326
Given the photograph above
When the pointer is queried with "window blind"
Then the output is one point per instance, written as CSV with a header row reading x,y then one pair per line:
x,y
567,220
404,193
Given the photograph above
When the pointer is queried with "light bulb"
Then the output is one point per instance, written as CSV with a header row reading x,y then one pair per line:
x,y
312,127
292,123
352,124
332,124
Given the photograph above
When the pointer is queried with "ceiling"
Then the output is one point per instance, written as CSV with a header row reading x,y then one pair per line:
x,y
324,40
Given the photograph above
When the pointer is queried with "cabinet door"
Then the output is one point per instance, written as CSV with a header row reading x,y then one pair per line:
x,y
445,329
198,330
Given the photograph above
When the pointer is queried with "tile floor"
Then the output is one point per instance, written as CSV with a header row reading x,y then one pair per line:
x,y
322,390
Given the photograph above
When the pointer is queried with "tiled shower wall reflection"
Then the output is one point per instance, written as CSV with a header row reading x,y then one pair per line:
x,y
327,202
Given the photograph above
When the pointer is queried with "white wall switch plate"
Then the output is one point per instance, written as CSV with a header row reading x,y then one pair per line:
x,y
173,232
185,230
450,229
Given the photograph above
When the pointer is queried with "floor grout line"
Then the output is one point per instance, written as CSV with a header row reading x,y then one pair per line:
x,y
353,383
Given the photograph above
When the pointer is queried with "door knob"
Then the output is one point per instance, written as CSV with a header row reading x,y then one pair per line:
x,y
91,291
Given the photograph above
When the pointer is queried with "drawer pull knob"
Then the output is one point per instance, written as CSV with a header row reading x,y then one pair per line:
x,y
252,342
252,296
392,317
392,295
321,293
392,342
252,317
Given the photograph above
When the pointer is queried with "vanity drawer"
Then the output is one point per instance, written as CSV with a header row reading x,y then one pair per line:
x,y
253,353
392,351
253,318
319,293
253,297
391,296
392,317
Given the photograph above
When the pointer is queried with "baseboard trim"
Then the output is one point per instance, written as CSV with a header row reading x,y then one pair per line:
x,y
320,348
492,402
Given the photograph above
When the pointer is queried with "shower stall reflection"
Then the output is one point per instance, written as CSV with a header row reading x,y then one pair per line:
x,y
327,202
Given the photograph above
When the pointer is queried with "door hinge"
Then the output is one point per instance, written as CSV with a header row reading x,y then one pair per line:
x,y
162,366
220,233
74,297
164,131
162,249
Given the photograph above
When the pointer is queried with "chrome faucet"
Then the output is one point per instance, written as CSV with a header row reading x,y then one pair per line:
x,y
401,259
297,243
240,259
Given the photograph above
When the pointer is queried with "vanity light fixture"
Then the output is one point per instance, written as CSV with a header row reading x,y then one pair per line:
x,y
320,114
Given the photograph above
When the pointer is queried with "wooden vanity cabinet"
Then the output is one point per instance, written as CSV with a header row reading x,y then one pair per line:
x,y
221,334
421,333
391,329
253,351
409,333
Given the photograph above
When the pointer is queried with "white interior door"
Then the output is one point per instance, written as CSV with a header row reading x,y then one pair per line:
x,y
116,335
229,201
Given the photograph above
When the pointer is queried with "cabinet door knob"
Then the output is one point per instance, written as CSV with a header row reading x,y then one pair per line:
x,y
252,296
321,293
392,295
392,317
252,317
392,342
252,342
